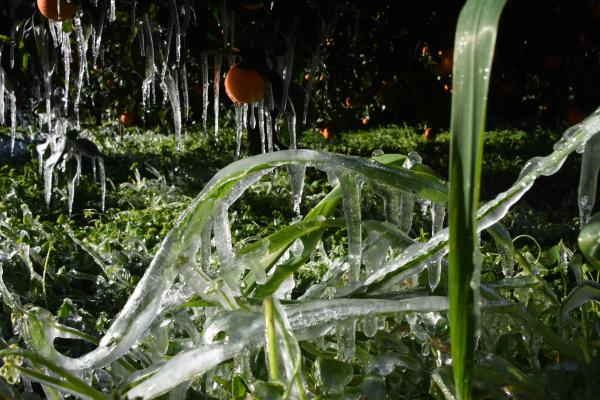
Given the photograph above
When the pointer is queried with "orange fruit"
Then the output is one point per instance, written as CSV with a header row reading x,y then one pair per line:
x,y
110,83
49,8
425,50
365,121
552,60
198,88
254,6
127,117
576,116
328,132
440,70
430,134
244,86
448,60
510,86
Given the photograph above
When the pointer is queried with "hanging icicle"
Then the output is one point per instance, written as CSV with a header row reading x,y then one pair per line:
x,y
66,53
112,13
82,47
172,87
289,64
217,82
98,39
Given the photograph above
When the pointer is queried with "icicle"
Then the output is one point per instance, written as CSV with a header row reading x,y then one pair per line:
x,y
311,77
93,169
174,97
269,124
1,91
82,47
204,90
332,179
346,330
252,118
42,37
141,38
184,88
102,180
149,81
66,52
261,122
217,83
438,212
590,164
407,208
98,41
133,5
391,204
245,118
239,127
224,24
296,173
112,14
434,265
351,185
13,120
56,32
289,64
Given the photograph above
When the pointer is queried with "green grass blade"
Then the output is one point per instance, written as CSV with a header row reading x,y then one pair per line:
x,y
473,51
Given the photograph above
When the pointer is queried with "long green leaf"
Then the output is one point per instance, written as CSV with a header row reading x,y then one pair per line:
x,y
473,51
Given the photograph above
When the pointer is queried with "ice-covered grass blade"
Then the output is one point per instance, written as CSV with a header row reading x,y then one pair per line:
x,y
473,51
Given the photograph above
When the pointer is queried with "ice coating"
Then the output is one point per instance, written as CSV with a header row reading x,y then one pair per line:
x,y
66,52
351,185
175,18
42,40
184,88
590,164
252,117
111,13
347,339
406,211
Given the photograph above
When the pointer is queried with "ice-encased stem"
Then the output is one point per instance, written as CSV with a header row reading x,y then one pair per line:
x,y
204,90
590,164
216,100
205,248
351,185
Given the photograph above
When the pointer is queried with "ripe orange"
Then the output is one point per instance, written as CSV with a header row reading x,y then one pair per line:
x,y
448,60
430,134
254,6
127,117
49,9
552,60
576,116
365,121
198,89
244,86
328,132
440,70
